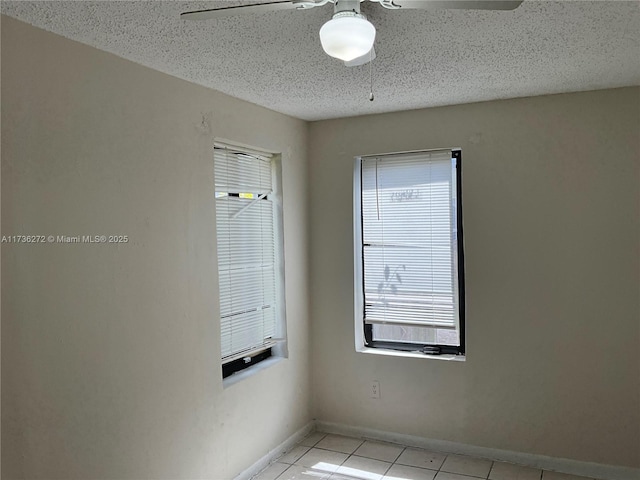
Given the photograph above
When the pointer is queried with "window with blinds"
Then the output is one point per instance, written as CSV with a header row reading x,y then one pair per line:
x,y
410,251
248,254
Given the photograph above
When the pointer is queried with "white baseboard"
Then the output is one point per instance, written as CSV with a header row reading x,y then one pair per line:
x,y
262,463
564,465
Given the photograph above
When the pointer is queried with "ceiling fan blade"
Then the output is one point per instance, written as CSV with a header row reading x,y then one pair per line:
x,y
240,10
366,58
459,4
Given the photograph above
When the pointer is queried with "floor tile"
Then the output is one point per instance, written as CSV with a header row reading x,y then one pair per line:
x,y
321,456
298,472
322,460
361,468
271,472
561,476
311,439
294,454
463,465
508,471
338,443
452,476
386,452
404,472
416,457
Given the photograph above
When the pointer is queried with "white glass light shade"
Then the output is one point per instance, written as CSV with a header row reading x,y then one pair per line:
x,y
347,38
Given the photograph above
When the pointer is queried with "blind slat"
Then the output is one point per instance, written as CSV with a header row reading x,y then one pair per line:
x,y
239,172
408,229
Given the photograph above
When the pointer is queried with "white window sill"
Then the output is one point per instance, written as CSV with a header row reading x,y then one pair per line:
x,y
248,372
398,353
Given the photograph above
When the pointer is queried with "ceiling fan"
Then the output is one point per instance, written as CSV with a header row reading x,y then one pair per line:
x,y
348,35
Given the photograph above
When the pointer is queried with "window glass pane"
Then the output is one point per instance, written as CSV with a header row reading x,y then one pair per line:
x,y
395,333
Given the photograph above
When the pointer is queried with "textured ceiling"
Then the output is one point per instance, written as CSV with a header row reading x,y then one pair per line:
x,y
425,57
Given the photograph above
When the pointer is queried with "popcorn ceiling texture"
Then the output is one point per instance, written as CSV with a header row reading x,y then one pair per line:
x,y
425,58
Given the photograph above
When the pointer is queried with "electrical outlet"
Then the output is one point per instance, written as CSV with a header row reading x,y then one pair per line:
x,y
375,389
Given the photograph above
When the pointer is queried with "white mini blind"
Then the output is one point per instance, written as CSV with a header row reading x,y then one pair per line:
x,y
246,251
409,244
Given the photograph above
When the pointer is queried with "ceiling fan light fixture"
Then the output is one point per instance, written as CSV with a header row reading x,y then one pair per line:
x,y
347,36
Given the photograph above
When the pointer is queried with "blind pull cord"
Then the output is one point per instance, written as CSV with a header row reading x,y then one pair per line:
x,y
247,207
371,75
377,197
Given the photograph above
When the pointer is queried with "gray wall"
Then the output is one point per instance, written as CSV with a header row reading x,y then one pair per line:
x,y
111,353
552,233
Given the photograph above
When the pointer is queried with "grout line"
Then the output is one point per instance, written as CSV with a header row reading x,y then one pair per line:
x,y
387,470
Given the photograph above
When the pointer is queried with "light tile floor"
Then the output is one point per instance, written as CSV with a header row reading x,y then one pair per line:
x,y
323,456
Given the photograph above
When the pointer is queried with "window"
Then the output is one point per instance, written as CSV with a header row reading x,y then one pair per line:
x,y
409,282
249,241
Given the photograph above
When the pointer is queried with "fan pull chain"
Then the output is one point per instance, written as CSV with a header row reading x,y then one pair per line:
x,y
371,75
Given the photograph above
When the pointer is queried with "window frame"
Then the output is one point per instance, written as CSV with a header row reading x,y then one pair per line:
x,y
277,349
363,331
